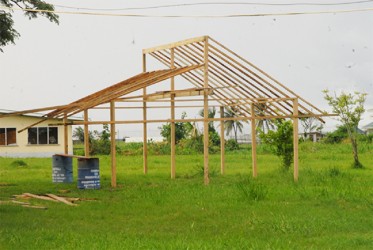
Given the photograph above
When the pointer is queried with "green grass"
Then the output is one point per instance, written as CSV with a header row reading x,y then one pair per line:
x,y
330,207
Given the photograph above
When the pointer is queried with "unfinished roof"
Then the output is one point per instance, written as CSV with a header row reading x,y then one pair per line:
x,y
232,81
235,81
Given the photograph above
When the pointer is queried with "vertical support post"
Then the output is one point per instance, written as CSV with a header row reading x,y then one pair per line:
x,y
173,129
145,131
65,135
222,141
205,112
113,146
86,134
295,138
253,142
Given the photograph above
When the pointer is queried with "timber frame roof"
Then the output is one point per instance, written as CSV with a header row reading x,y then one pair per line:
x,y
235,81
232,82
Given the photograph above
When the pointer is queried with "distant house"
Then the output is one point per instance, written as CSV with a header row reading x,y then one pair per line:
x,y
41,140
368,129
313,136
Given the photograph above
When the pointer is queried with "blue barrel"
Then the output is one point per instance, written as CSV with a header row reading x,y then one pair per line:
x,y
88,173
62,169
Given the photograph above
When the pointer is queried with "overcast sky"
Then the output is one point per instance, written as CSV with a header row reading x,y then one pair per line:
x,y
54,65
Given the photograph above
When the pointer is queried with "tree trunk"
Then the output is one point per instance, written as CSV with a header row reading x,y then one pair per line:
x,y
357,163
235,133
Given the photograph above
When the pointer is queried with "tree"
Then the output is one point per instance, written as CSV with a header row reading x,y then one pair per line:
x,y
232,125
310,124
280,141
349,108
181,130
260,110
7,32
211,114
214,138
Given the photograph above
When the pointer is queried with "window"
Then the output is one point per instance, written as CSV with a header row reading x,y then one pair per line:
x,y
8,136
43,135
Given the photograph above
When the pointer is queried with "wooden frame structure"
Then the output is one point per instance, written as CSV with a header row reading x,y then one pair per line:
x,y
219,77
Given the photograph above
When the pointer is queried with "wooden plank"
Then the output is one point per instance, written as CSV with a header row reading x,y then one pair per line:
x,y
184,93
173,129
205,123
32,125
75,156
86,134
174,45
253,142
145,131
63,200
65,135
295,139
222,142
113,151
241,118
40,197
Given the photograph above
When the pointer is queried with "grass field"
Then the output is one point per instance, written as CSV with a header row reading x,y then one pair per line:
x,y
331,207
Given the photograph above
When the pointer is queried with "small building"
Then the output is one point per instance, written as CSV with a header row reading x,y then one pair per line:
x,y
41,140
312,136
368,129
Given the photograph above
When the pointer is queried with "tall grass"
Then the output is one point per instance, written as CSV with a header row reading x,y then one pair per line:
x,y
329,208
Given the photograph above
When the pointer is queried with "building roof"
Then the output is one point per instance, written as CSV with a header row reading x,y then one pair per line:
x,y
368,126
4,112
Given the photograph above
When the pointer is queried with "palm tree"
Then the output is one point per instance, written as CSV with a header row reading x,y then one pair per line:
x,y
232,125
264,124
211,114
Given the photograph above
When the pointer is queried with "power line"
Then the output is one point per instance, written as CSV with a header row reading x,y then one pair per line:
x,y
215,3
189,16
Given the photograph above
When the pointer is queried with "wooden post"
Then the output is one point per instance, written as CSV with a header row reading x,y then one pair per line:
x,y
113,146
295,138
65,135
86,134
205,112
222,142
253,141
173,129
145,132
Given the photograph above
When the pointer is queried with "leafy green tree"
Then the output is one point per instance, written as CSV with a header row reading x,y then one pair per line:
x,y
214,138
337,135
181,130
232,125
260,109
7,32
100,142
280,141
211,114
349,108
310,124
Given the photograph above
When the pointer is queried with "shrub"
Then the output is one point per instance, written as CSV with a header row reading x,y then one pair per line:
x,y
280,141
18,163
231,145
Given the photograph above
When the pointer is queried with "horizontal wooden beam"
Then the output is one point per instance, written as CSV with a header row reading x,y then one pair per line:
x,y
173,45
242,118
178,93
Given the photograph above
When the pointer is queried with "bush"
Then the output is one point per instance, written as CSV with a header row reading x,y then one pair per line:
x,y
280,141
18,163
231,145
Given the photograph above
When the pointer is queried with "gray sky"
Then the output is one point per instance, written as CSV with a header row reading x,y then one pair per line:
x,y
53,65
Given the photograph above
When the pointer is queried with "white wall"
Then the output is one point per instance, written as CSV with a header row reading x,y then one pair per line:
x,y
22,148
